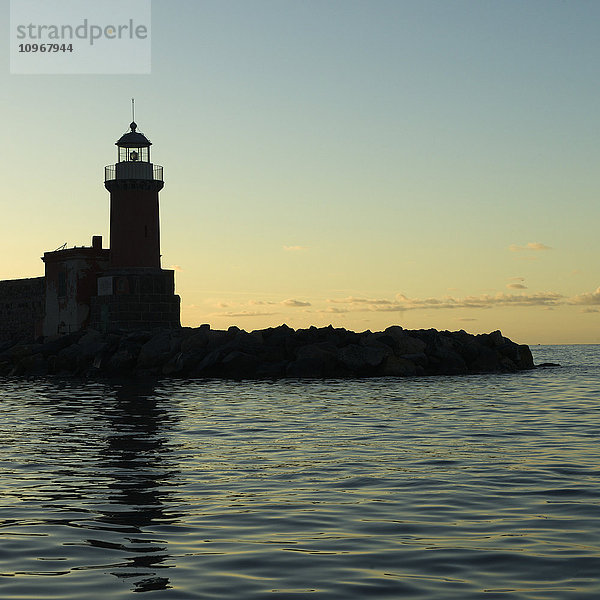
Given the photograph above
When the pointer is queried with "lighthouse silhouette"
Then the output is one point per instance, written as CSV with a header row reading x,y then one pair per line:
x,y
134,183
121,288
134,292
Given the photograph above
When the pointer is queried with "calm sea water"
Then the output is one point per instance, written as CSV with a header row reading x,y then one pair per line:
x,y
464,487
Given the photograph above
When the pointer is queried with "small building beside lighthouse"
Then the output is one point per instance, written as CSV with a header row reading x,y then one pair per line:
x,y
70,283
119,288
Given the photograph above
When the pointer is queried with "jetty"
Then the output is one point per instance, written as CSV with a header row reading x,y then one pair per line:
x,y
272,353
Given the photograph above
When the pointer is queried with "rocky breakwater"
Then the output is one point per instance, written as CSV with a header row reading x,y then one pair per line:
x,y
267,354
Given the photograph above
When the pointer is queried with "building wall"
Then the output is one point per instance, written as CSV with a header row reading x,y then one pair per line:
x,y
21,308
70,283
131,299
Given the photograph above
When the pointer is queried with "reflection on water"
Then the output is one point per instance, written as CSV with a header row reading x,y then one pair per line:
x,y
458,487
137,454
96,459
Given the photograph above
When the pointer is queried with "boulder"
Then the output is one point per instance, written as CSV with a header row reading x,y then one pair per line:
x,y
175,365
123,361
157,350
420,359
239,365
447,362
198,338
361,359
272,370
208,366
33,364
485,361
395,366
405,343
313,360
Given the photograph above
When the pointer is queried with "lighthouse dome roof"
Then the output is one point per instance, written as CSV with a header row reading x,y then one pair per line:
x,y
133,138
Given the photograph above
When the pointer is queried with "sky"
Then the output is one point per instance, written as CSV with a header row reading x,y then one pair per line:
x,y
359,163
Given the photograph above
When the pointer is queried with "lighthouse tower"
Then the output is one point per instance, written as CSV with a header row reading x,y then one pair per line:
x,y
134,292
134,183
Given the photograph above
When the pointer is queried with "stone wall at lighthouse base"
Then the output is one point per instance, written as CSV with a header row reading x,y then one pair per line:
x,y
134,299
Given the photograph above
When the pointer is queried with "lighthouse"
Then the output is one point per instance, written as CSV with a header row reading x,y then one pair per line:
x,y
134,183
134,292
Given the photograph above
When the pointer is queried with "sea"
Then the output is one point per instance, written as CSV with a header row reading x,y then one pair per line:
x,y
462,487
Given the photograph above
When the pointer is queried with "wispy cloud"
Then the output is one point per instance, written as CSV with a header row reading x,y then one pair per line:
x,y
252,307
335,310
245,313
517,283
295,248
533,246
295,303
402,302
590,299
355,300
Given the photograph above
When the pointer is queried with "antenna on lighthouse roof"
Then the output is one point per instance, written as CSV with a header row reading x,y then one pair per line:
x,y
133,110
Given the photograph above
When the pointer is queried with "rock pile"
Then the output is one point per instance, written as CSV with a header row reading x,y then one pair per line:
x,y
271,353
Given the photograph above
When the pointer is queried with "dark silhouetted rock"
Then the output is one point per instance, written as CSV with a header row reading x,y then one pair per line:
x,y
157,350
274,352
239,365
362,360
395,366
314,360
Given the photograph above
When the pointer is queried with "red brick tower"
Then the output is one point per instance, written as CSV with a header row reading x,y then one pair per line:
x,y
134,183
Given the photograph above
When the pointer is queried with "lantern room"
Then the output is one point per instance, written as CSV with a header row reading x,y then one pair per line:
x,y
134,146
133,158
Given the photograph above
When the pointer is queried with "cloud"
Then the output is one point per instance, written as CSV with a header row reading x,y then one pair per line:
x,y
545,300
295,248
403,303
251,308
517,279
245,313
590,310
176,268
295,303
488,301
535,246
354,300
590,299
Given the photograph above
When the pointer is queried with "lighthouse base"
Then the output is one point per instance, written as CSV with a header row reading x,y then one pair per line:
x,y
134,299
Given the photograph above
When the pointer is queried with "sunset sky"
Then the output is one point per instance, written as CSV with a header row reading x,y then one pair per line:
x,y
354,163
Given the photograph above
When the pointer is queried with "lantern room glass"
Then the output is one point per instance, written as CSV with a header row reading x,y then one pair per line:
x,y
135,154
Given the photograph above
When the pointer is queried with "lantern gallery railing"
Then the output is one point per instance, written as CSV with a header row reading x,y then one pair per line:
x,y
133,170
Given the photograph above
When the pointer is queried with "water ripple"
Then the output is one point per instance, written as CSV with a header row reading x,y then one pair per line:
x,y
449,487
